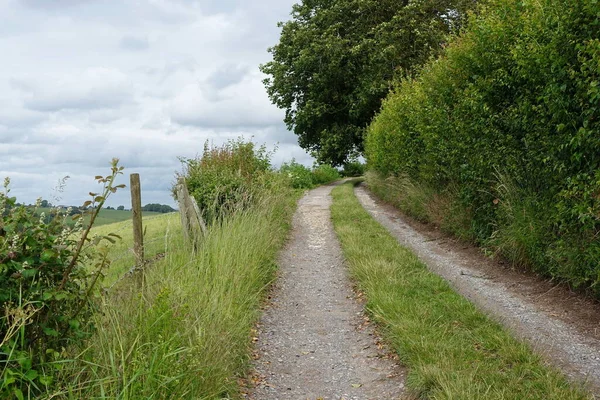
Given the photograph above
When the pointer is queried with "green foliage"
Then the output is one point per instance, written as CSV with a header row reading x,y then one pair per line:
x,y
515,96
353,169
189,336
48,270
227,177
337,59
323,174
451,349
159,208
300,176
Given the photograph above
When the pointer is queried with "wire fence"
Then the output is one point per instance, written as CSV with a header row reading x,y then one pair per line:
x,y
143,250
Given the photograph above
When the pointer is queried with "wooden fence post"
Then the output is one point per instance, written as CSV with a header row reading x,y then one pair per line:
x,y
136,210
191,217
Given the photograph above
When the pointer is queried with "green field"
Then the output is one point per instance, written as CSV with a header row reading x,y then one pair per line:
x,y
106,216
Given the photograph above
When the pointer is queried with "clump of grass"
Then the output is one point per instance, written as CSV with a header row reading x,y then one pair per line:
x,y
424,203
522,232
452,350
187,333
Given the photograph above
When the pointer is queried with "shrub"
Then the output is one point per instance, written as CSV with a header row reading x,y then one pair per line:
x,y
48,271
353,169
324,173
299,175
227,177
517,96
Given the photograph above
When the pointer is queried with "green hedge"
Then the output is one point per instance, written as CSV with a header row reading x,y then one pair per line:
x,y
509,115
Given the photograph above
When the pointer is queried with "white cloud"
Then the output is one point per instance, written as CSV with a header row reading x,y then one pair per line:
x,y
134,43
95,88
146,81
243,104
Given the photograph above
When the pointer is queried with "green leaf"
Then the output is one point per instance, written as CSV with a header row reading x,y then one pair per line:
x,y
47,255
31,374
51,332
18,393
74,324
60,296
45,380
29,273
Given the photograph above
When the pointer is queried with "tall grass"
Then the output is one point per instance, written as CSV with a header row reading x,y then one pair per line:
x,y
187,332
158,230
451,349
424,203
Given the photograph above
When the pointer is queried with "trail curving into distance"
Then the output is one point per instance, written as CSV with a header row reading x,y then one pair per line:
x,y
312,342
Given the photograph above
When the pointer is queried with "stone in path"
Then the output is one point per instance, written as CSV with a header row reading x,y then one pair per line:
x,y
311,344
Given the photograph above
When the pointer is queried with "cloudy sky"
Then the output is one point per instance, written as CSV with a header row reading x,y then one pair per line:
x,y
83,81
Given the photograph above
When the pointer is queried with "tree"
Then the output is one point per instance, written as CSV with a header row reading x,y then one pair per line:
x,y
121,208
336,60
155,207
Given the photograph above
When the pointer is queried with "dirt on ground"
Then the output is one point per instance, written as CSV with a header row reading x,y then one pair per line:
x,y
562,325
314,342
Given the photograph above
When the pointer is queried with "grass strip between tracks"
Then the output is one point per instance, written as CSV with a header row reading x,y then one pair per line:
x,y
451,349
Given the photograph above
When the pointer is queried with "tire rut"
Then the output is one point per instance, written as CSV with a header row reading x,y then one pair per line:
x,y
577,355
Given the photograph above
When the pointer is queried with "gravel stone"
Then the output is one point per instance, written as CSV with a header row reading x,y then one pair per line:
x,y
313,342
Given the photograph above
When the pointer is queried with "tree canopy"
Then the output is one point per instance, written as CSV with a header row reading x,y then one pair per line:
x,y
336,60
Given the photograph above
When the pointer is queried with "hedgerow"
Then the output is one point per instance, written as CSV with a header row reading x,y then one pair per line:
x,y
507,120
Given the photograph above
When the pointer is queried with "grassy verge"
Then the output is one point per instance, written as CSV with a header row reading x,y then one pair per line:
x,y
187,334
451,349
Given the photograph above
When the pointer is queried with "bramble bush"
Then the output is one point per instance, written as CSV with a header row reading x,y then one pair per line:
x,y
324,173
48,271
300,177
227,177
506,123
353,169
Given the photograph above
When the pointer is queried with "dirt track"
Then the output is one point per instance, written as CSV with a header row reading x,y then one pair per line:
x,y
313,343
561,325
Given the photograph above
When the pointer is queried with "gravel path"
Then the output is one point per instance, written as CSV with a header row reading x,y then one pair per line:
x,y
313,341
576,354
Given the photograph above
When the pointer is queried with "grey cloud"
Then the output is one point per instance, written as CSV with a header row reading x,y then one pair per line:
x,y
134,43
213,7
227,75
95,88
82,101
55,4
239,105
11,117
